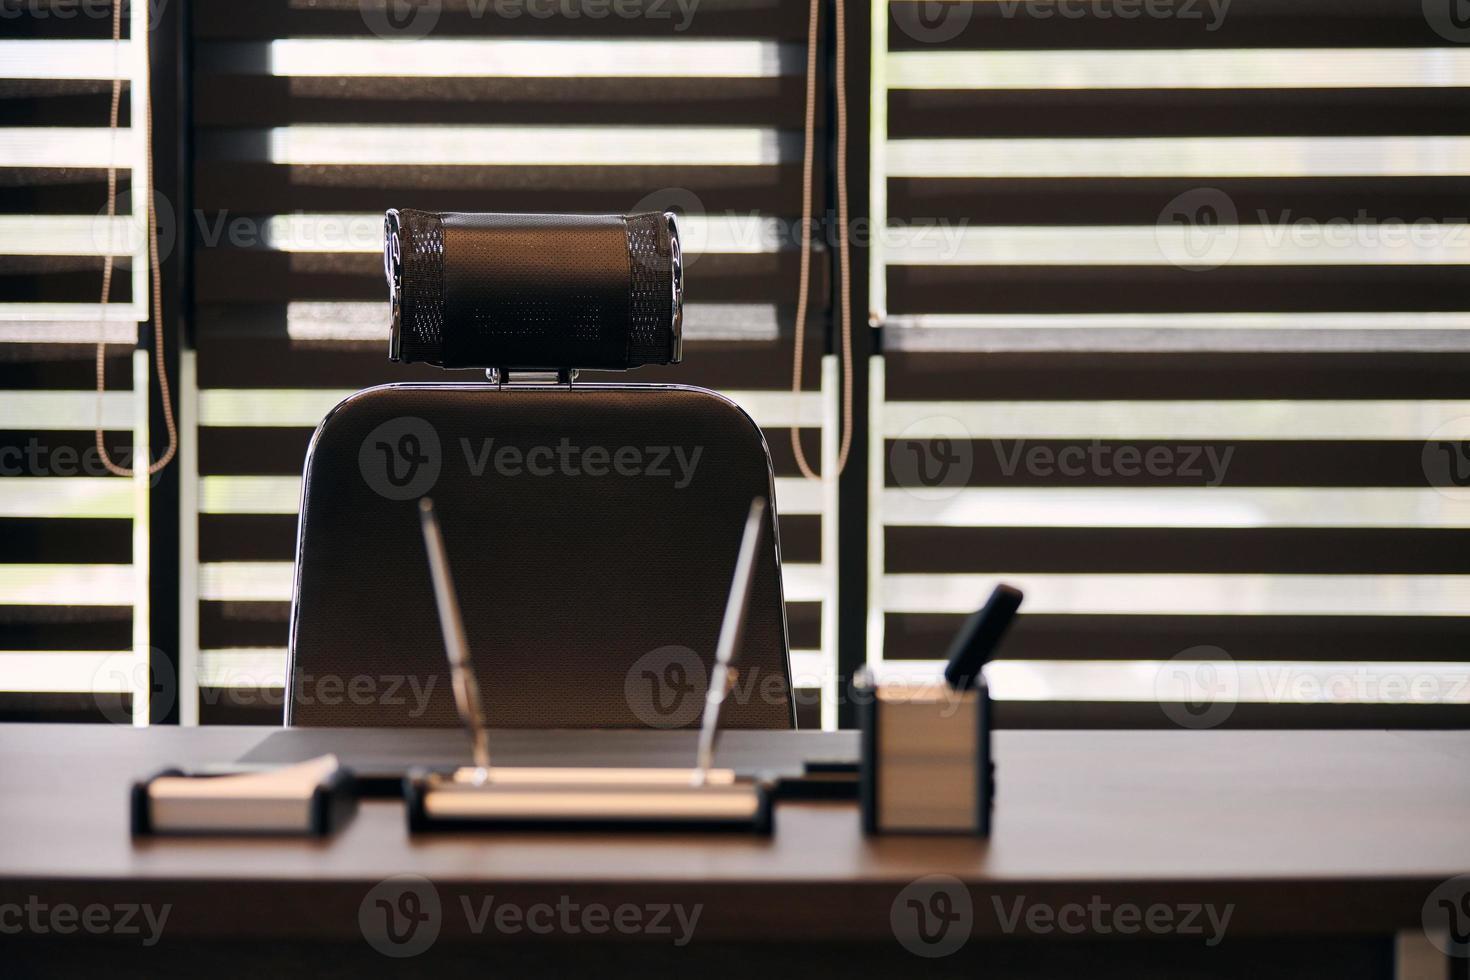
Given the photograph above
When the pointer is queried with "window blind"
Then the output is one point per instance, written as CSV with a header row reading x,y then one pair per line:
x,y
1174,320
73,539
311,119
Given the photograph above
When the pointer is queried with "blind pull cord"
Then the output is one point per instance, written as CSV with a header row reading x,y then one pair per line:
x,y
153,264
844,278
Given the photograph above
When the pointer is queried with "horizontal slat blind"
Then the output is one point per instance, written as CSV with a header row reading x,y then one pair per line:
x,y
312,119
56,69
1175,340
73,539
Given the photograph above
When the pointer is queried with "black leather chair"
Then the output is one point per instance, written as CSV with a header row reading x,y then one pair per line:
x,y
591,529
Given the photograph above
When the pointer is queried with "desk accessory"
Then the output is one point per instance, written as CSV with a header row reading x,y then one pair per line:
x,y
484,796
534,292
926,762
978,638
311,797
821,779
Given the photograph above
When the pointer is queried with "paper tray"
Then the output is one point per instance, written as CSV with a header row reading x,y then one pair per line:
x,y
582,799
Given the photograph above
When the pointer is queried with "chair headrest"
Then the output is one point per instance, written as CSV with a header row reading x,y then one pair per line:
x,y
534,292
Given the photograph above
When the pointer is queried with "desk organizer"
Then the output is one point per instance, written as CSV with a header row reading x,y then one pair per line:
x,y
926,765
309,798
509,798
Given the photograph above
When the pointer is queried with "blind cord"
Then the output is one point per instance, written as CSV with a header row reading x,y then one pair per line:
x,y
153,265
803,287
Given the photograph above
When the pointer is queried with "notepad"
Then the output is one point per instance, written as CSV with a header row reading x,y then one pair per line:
x,y
297,799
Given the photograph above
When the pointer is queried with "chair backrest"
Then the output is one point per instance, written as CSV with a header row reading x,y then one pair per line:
x,y
591,531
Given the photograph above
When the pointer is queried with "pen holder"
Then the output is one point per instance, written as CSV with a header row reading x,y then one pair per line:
x,y
926,766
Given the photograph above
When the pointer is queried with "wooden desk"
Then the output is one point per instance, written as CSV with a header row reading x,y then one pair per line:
x,y
1323,844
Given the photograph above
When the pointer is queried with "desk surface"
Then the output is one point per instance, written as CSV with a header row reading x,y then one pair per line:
x,y
1304,831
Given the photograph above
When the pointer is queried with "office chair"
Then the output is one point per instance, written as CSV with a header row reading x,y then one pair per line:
x,y
591,528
